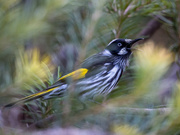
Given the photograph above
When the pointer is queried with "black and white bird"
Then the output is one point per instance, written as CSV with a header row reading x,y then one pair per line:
x,y
98,74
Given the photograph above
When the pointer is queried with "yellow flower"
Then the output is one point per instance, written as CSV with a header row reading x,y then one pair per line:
x,y
153,57
152,62
31,69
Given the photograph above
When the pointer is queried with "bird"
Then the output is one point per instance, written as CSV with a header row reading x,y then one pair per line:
x,y
97,75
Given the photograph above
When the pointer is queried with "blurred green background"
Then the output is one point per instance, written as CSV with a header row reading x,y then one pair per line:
x,y
41,40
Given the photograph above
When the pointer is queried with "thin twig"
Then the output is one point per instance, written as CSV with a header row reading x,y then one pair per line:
x,y
41,123
164,110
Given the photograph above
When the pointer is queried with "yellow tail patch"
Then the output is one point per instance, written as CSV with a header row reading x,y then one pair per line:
x,y
39,93
77,74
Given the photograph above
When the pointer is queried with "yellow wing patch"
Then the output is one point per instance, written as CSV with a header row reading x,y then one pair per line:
x,y
77,74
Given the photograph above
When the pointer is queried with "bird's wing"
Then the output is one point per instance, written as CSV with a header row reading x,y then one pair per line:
x,y
95,60
75,75
101,78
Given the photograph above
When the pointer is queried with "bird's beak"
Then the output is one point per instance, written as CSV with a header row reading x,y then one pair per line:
x,y
134,41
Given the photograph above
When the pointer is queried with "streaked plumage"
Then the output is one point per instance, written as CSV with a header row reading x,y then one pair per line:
x,y
98,74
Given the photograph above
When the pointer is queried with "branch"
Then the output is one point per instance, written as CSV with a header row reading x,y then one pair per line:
x,y
151,28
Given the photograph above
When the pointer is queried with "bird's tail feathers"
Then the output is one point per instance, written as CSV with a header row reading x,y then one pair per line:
x,y
75,75
31,97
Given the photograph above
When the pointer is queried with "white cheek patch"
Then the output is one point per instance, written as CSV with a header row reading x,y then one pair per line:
x,y
122,51
127,40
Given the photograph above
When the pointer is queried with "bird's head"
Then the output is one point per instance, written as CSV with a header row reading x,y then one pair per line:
x,y
121,46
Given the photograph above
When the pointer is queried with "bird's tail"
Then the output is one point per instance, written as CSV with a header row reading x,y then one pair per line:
x,y
31,97
75,75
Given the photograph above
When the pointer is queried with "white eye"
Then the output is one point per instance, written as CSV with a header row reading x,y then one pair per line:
x,y
119,44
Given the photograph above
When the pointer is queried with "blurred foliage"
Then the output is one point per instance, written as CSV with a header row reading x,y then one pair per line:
x,y
29,64
148,68
37,36
126,130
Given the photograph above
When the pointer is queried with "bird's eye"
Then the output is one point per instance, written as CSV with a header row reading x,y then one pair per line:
x,y
119,44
